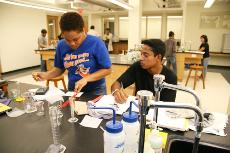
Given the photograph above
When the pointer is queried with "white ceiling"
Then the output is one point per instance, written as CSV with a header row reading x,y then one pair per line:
x,y
96,5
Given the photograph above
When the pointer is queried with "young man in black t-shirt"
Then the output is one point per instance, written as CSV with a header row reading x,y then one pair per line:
x,y
141,73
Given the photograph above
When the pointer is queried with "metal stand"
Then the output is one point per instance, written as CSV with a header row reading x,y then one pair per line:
x,y
144,102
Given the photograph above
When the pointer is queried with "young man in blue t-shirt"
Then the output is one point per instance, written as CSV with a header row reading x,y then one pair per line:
x,y
85,57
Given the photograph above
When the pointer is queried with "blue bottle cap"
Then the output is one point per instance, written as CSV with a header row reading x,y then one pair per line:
x,y
113,128
130,117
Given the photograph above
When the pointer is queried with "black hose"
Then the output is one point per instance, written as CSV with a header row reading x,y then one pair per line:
x,y
196,145
142,134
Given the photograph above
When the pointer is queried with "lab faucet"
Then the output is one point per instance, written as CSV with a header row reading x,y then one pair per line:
x,y
159,84
146,101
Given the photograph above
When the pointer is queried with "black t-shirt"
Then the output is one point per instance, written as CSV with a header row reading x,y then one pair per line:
x,y
206,49
144,80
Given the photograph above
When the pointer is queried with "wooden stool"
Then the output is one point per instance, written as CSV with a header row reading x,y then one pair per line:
x,y
55,80
196,68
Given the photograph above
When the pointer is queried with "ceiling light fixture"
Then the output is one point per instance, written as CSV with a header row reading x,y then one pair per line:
x,y
208,3
121,3
36,6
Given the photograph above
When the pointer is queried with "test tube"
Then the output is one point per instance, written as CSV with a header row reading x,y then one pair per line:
x,y
72,119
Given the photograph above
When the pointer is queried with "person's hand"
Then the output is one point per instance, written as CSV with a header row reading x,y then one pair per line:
x,y
38,76
120,96
80,84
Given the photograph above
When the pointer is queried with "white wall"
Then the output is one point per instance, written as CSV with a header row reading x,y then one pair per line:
x,y
154,27
123,27
174,23
193,30
96,20
19,29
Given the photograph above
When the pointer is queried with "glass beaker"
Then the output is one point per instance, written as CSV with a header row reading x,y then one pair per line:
x,y
29,105
40,108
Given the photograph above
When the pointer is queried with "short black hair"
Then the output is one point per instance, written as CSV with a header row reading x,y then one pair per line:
x,y
71,21
43,31
92,27
157,46
171,33
205,38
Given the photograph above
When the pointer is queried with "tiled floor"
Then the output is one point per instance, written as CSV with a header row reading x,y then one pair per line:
x,y
215,97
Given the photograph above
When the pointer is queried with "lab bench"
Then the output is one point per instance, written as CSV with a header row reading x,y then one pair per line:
x,y
30,133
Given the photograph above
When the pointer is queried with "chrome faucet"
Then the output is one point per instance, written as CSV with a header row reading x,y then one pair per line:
x,y
145,102
196,109
159,84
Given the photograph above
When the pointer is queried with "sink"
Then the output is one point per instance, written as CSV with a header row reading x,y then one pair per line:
x,y
185,146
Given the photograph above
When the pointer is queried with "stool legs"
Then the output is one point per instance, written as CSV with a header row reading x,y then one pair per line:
x,y
188,77
63,82
47,83
203,79
195,79
56,84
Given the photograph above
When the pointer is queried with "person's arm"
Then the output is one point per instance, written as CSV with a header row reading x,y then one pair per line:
x,y
118,92
202,49
125,80
40,76
91,78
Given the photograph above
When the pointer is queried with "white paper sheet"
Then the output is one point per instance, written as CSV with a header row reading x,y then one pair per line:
x,y
90,122
218,126
53,91
165,121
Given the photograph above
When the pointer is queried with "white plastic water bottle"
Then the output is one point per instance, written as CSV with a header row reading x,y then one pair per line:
x,y
131,128
114,137
155,141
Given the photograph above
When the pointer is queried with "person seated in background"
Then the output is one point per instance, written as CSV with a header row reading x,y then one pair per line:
x,y
108,39
43,43
92,31
85,57
204,47
141,73
170,53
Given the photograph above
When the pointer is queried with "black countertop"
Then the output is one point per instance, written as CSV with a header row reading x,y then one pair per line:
x,y
30,133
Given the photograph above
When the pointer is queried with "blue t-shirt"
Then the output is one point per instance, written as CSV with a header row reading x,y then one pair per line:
x,y
88,58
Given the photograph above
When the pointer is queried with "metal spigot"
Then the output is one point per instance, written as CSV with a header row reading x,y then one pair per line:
x,y
145,103
159,84
196,109
144,97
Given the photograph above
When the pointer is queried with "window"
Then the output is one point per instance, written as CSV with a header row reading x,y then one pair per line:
x,y
153,27
174,23
123,27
